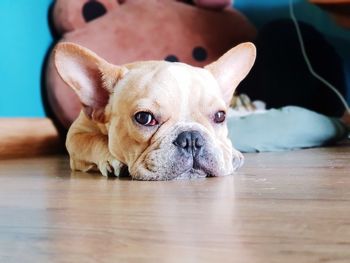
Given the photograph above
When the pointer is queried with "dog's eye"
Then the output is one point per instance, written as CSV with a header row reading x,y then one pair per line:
x,y
145,118
219,117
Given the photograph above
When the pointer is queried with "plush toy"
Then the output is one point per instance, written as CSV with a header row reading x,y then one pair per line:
x,y
131,30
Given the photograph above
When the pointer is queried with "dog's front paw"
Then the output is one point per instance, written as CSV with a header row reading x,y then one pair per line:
x,y
110,167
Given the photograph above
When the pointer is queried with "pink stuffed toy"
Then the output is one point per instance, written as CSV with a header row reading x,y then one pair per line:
x,y
131,30
214,4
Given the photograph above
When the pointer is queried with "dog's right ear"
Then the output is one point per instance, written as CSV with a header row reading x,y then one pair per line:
x,y
91,77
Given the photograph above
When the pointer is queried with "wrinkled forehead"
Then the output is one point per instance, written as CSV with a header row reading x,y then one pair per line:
x,y
173,80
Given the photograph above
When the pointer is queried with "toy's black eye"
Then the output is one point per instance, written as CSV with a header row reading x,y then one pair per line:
x,y
93,9
171,58
189,2
199,54
145,118
219,117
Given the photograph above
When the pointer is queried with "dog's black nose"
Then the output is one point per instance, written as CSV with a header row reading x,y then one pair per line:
x,y
190,141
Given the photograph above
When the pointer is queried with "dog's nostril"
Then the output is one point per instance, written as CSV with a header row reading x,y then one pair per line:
x,y
183,143
183,140
199,142
190,141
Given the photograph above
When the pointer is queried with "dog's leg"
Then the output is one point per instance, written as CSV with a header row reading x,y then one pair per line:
x,y
89,151
83,166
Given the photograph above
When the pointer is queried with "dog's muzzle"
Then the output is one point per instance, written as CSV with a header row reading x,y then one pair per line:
x,y
190,143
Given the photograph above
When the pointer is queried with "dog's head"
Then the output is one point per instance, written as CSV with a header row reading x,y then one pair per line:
x,y
164,120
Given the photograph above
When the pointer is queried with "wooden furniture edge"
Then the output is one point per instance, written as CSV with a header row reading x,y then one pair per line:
x,y
28,137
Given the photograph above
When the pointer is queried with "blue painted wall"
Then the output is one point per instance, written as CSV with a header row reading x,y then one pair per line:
x,y
25,38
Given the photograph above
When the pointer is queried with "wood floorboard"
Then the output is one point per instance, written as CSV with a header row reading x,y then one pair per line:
x,y
280,207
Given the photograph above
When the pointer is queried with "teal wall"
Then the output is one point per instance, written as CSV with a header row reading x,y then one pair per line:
x,y
25,38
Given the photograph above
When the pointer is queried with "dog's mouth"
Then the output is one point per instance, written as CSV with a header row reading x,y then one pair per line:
x,y
192,173
195,170
152,169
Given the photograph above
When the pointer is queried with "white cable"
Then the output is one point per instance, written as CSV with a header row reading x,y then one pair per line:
x,y
307,60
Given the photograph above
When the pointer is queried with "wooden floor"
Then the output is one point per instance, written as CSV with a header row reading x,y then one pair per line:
x,y
280,207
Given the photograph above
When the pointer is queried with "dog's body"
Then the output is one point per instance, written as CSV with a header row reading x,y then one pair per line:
x,y
162,120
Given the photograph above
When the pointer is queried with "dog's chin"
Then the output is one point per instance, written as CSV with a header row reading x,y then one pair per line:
x,y
192,174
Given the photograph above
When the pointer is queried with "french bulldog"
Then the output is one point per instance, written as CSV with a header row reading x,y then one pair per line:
x,y
162,120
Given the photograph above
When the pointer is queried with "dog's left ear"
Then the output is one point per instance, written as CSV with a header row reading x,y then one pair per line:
x,y
91,77
232,67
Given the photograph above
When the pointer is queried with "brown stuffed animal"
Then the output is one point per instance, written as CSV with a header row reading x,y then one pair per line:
x,y
131,30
